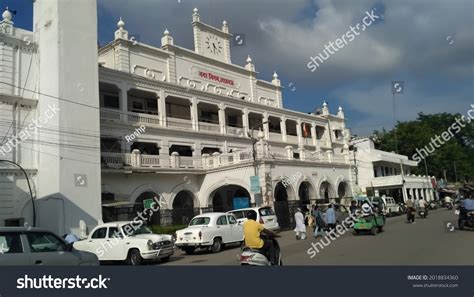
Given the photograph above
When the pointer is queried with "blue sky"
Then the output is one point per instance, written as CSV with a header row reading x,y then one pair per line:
x,y
429,44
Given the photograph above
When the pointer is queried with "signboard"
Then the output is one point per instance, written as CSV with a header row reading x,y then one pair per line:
x,y
255,184
147,203
241,202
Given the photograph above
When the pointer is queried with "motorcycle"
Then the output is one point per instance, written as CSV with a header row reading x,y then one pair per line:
x,y
257,257
422,212
448,205
410,214
466,219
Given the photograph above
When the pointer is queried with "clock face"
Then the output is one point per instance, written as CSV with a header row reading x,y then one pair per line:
x,y
213,45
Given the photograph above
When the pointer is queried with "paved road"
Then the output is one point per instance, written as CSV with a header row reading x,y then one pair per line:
x,y
427,242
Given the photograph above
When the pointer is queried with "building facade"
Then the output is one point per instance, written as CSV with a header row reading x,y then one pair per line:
x,y
385,173
129,122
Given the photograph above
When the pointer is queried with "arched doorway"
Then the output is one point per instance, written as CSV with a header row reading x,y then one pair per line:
x,y
282,209
342,190
139,207
326,191
306,192
227,197
183,208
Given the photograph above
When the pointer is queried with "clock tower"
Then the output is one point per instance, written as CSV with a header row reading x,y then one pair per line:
x,y
211,42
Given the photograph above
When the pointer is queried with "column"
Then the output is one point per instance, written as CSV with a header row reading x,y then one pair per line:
x,y
404,193
222,118
124,101
245,121
266,128
162,107
299,132
328,136
194,113
283,129
313,133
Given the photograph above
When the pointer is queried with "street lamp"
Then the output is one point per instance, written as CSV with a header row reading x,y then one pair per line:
x,y
260,136
29,187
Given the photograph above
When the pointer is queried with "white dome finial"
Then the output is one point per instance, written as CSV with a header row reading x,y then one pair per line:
x,y
195,10
7,15
325,104
166,32
121,23
224,23
340,109
275,75
249,60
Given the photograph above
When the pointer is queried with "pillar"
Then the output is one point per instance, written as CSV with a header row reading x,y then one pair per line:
x,y
222,122
283,129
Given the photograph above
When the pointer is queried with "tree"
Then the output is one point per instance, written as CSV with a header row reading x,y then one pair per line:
x,y
413,136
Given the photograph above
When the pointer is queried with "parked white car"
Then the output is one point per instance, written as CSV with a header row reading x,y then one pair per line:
x,y
126,241
265,216
210,230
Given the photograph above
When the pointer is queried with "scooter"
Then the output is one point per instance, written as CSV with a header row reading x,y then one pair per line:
x,y
466,219
448,205
257,257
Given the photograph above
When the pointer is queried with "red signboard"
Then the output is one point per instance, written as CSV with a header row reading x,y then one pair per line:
x,y
210,76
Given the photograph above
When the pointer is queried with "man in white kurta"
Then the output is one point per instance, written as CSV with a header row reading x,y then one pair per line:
x,y
300,226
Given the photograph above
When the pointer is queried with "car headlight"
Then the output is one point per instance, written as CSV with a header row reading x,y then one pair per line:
x,y
150,244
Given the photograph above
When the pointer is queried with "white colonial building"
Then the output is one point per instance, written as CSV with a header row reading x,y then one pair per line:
x,y
207,126
384,173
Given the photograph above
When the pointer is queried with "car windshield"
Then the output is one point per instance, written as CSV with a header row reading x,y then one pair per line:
x,y
267,211
131,230
200,221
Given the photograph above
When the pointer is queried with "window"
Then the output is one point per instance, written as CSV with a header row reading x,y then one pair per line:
x,y
238,214
111,101
137,106
221,221
266,211
42,242
99,233
114,233
200,221
10,243
232,220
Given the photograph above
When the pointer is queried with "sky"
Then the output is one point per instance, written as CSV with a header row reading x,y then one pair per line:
x,y
427,44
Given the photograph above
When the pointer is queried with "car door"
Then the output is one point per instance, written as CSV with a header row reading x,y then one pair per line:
x,y
223,228
113,245
48,249
97,243
236,230
12,249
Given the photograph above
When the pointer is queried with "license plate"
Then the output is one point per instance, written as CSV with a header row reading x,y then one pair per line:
x,y
456,212
270,220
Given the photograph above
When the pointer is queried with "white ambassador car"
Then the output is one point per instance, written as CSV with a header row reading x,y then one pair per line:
x,y
125,241
210,230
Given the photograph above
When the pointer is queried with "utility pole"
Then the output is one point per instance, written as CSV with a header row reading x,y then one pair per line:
x,y
254,154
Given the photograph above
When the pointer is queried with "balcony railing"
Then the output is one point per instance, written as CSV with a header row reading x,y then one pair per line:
x,y
142,118
292,138
209,127
179,123
235,130
275,136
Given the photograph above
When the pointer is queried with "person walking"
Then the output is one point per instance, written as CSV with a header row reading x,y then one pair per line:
x,y
410,211
319,222
331,217
300,226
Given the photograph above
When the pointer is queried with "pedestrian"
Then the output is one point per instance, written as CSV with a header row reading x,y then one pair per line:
x,y
300,226
319,225
353,207
410,211
331,217
70,238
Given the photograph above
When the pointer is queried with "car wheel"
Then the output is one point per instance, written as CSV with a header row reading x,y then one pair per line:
x,y
165,259
356,232
373,231
216,245
461,224
134,258
380,228
189,250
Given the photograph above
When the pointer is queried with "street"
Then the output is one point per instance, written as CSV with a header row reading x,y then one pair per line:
x,y
427,242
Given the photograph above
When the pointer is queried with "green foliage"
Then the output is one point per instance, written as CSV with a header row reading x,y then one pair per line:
x,y
157,229
412,135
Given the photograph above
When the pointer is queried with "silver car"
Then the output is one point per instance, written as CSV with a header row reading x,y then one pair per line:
x,y
35,246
